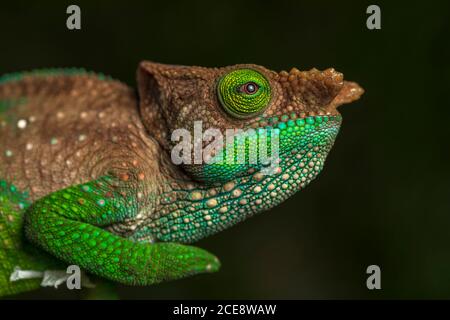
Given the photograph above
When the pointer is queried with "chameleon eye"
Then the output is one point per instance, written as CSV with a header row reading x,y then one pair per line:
x,y
244,92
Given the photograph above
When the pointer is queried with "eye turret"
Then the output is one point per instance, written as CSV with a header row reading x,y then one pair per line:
x,y
244,93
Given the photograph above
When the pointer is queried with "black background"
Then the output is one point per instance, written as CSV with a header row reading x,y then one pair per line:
x,y
383,197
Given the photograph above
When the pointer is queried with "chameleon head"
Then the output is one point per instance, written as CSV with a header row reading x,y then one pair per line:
x,y
248,136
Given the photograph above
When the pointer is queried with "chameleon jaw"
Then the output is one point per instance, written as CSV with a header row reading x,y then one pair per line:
x,y
204,210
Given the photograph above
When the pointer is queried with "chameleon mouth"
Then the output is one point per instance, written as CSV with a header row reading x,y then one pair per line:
x,y
295,119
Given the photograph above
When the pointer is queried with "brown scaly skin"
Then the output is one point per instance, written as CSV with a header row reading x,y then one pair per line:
x,y
80,128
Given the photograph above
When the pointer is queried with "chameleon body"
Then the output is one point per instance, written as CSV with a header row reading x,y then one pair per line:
x,y
87,175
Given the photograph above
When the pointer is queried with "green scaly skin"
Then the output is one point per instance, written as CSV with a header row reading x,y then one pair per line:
x,y
86,176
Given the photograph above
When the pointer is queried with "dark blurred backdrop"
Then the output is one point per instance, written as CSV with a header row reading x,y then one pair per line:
x,y
384,195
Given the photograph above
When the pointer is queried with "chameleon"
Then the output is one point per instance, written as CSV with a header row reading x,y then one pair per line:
x,y
87,175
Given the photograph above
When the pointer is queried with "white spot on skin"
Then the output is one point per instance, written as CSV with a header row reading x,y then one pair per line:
x,y
8,153
29,146
81,137
22,124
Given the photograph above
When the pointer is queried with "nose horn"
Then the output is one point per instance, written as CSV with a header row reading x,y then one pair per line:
x,y
349,92
320,89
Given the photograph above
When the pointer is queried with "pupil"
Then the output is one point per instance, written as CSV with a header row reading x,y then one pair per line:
x,y
250,87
